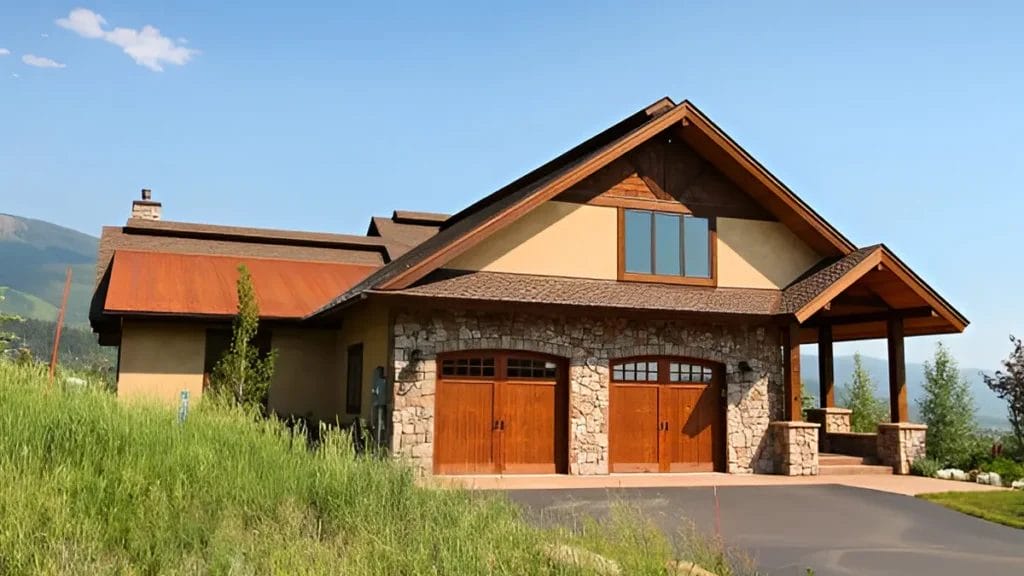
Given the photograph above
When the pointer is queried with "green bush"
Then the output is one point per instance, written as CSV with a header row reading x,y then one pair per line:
x,y
1007,469
926,467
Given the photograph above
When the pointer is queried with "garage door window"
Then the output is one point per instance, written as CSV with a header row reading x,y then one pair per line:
x,y
682,372
531,368
635,372
477,367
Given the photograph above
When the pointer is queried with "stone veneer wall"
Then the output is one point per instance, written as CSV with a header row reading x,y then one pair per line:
x,y
753,396
832,420
795,448
900,444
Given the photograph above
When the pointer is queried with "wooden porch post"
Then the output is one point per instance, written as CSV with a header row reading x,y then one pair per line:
x,y
791,372
897,371
826,366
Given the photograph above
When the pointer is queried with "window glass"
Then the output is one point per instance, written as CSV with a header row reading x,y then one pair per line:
x,y
530,368
681,372
667,251
638,241
697,250
478,367
635,372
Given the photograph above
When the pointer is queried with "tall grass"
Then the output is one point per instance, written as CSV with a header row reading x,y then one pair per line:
x,y
90,485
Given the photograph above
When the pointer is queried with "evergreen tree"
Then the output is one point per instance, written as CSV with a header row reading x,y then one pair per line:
x,y
1009,386
947,407
859,395
243,374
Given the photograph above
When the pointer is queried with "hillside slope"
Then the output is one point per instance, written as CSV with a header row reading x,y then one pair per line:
x,y
991,411
33,258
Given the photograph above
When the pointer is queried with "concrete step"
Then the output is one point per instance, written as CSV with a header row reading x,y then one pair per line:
x,y
853,470
826,459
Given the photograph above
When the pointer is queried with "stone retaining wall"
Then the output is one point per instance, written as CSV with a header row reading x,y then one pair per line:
x,y
753,394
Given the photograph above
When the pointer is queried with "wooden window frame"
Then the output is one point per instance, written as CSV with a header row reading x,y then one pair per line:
x,y
710,281
354,389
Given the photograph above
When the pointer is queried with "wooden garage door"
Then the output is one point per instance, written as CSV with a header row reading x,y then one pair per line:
x,y
665,416
501,412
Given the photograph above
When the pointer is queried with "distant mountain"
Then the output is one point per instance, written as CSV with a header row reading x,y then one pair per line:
x,y
991,411
33,258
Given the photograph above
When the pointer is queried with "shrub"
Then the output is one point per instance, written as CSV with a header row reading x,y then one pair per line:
x,y
926,467
1007,469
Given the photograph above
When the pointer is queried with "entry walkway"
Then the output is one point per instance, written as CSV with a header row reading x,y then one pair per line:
x,y
907,485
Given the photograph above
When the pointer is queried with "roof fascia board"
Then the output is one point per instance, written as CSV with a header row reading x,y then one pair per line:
x,y
845,281
698,120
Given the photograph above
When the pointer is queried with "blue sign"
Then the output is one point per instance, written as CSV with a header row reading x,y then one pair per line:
x,y
183,407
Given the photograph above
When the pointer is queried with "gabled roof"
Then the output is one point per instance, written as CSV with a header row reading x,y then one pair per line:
x,y
404,229
492,213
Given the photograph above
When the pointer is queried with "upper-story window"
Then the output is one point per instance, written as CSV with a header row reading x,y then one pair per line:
x,y
669,246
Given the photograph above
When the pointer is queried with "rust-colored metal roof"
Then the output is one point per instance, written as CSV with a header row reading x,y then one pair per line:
x,y
205,285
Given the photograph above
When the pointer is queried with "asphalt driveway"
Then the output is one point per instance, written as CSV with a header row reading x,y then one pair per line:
x,y
834,530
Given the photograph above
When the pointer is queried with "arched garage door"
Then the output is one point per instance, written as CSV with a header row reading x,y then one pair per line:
x,y
666,415
501,412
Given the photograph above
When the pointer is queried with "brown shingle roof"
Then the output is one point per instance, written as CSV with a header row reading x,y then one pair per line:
x,y
525,288
400,236
815,281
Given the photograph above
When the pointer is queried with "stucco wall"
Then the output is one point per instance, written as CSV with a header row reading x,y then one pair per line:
x,y
160,359
367,324
753,397
760,254
556,239
305,374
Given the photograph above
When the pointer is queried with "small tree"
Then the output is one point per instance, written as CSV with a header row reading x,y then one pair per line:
x,y
243,374
947,407
6,338
859,396
1009,386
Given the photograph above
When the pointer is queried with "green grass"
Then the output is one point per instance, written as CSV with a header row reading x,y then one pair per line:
x,y
95,486
1004,507
26,305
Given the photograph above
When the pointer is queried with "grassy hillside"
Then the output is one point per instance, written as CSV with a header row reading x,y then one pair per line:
x,y
95,486
33,258
991,410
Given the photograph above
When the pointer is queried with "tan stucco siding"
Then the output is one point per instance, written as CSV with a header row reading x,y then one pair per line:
x,y
760,254
365,324
305,374
556,239
159,360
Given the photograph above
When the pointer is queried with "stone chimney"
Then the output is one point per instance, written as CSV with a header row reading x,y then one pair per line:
x,y
146,209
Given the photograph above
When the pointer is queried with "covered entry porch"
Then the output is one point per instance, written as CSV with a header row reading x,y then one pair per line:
x,y
872,295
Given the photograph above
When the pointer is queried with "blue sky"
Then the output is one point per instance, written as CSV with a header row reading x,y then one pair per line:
x,y
898,121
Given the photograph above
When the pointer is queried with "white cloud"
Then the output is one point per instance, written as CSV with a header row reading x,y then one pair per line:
x,y
15,75
4,51
148,47
40,61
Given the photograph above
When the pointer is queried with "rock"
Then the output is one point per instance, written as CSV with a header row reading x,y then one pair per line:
x,y
73,381
579,558
1017,485
952,474
989,478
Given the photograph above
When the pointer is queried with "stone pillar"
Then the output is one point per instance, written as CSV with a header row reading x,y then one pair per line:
x,y
588,417
832,421
900,444
795,448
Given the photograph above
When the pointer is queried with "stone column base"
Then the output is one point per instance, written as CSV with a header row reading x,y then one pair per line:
x,y
795,448
900,444
833,420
